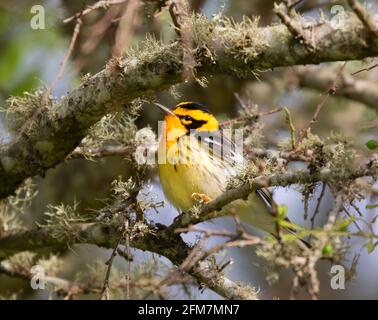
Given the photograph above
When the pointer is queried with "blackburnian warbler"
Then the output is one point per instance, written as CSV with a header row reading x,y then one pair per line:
x,y
196,160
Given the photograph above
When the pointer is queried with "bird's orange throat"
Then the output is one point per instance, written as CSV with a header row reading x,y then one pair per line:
x,y
179,125
171,131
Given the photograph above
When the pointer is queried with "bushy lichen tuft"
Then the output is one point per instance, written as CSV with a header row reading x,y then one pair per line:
x,y
147,59
241,41
92,279
143,280
301,260
310,141
23,262
19,109
12,207
340,154
61,221
113,129
122,190
248,172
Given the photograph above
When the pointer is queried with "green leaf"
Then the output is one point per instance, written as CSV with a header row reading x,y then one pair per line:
x,y
327,250
342,224
282,211
371,206
370,246
372,144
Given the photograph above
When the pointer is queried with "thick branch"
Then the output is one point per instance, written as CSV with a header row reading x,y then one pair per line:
x,y
123,151
50,136
164,242
281,180
364,91
160,240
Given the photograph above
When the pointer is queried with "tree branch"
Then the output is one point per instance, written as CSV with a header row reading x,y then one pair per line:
x,y
64,287
125,150
49,137
363,14
294,25
163,242
160,240
101,152
281,180
364,91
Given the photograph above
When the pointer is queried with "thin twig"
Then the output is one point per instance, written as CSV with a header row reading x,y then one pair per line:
x,y
366,18
289,121
46,96
294,26
365,69
128,273
351,216
331,90
270,112
104,151
105,288
197,254
360,90
180,13
124,254
97,5
244,119
356,208
63,63
96,32
127,26
292,3
316,211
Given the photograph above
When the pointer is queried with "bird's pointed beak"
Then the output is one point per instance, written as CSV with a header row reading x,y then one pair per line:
x,y
165,109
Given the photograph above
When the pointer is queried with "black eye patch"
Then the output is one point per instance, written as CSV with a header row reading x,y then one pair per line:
x,y
194,124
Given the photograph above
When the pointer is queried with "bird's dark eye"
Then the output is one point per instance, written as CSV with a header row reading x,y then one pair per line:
x,y
188,118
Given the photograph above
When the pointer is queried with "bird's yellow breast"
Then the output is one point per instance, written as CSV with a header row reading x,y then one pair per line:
x,y
189,169
195,158
204,174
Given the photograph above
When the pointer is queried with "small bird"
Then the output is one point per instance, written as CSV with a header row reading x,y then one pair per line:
x,y
196,162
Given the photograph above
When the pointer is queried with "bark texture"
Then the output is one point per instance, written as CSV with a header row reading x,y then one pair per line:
x,y
219,47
